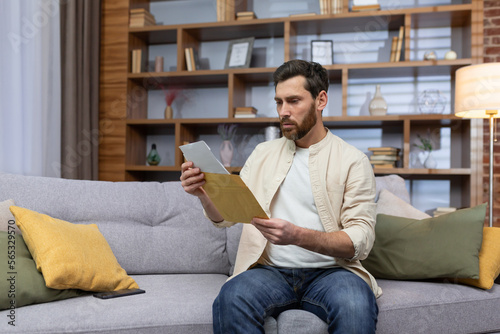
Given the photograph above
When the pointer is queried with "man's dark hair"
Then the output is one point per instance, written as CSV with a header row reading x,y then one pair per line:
x,y
315,74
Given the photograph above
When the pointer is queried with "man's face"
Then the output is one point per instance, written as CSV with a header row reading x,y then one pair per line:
x,y
296,108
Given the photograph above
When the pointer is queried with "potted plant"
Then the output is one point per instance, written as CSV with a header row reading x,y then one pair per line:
x,y
170,95
425,144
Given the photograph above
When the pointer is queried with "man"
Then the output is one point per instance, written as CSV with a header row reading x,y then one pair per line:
x,y
319,192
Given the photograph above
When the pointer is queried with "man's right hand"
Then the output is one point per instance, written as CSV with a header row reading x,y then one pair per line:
x,y
192,179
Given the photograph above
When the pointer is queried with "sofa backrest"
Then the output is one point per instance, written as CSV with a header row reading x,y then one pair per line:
x,y
151,227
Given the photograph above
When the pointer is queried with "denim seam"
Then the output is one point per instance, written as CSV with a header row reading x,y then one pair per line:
x,y
312,302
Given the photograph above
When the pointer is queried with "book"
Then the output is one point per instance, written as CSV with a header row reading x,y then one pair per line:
x,y
400,43
384,148
366,7
376,166
189,58
245,16
302,14
245,115
136,63
393,49
246,110
384,157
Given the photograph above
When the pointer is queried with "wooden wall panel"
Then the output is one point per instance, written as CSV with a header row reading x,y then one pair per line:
x,y
113,89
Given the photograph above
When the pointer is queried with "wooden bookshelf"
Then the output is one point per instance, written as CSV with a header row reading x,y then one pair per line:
x,y
123,148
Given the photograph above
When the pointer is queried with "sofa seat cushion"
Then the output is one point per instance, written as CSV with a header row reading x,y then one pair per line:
x,y
417,307
437,307
174,304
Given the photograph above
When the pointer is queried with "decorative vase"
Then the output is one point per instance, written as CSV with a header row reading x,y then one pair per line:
x,y
378,106
272,132
169,112
430,162
153,157
226,153
431,102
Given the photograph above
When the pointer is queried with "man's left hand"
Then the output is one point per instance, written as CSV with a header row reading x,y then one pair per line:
x,y
277,231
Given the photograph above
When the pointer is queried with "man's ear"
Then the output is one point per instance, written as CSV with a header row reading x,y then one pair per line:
x,y
321,100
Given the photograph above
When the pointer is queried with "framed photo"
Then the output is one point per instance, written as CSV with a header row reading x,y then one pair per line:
x,y
239,53
322,52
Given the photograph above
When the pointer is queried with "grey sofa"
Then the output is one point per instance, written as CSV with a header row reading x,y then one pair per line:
x,y
161,238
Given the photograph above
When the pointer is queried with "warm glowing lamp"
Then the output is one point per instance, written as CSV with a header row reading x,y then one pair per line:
x,y
477,95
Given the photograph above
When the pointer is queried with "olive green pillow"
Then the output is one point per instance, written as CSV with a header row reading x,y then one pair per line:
x,y
21,283
444,246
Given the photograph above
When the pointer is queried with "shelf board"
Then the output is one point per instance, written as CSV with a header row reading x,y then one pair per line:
x,y
424,171
445,15
399,171
356,120
205,78
144,168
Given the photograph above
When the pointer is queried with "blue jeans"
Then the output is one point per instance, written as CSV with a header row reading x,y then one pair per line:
x,y
340,298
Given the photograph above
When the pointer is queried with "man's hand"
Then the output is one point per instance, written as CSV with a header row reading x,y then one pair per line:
x,y
277,231
192,179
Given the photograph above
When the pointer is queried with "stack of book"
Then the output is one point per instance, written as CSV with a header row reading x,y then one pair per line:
x,y
140,17
245,16
397,45
384,157
443,210
245,112
330,6
136,63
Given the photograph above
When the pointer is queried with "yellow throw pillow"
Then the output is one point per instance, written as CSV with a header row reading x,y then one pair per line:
x,y
71,256
489,260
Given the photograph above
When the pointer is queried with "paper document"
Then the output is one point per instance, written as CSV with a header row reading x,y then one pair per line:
x,y
230,195
203,158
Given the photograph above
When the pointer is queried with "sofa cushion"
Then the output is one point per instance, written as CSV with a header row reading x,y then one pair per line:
x,y
444,246
147,224
436,307
390,204
71,256
172,304
25,286
7,220
394,183
489,260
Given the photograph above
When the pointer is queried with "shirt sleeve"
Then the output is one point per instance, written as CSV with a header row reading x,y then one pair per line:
x,y
358,210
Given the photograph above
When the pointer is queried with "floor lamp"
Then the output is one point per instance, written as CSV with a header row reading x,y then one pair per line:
x,y
477,95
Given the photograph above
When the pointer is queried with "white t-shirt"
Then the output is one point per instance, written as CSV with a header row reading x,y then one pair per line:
x,y
294,202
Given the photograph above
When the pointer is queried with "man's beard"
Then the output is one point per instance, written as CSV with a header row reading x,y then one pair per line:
x,y
299,131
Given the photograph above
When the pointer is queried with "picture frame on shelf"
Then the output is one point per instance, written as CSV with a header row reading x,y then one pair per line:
x,y
239,53
322,52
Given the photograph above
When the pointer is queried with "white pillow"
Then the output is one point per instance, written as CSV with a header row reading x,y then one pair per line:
x,y
395,184
6,216
390,204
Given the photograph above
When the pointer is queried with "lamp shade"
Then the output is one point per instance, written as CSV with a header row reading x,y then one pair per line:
x,y
477,91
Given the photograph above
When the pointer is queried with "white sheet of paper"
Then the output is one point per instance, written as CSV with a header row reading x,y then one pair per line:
x,y
202,157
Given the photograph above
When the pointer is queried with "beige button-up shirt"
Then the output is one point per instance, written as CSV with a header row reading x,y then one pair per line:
x,y
343,187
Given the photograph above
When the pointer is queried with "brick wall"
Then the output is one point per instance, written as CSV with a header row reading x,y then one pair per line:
x,y
492,54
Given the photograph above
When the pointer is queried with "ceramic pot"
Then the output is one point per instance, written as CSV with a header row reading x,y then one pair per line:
x,y
169,112
378,106
226,153
430,162
153,158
